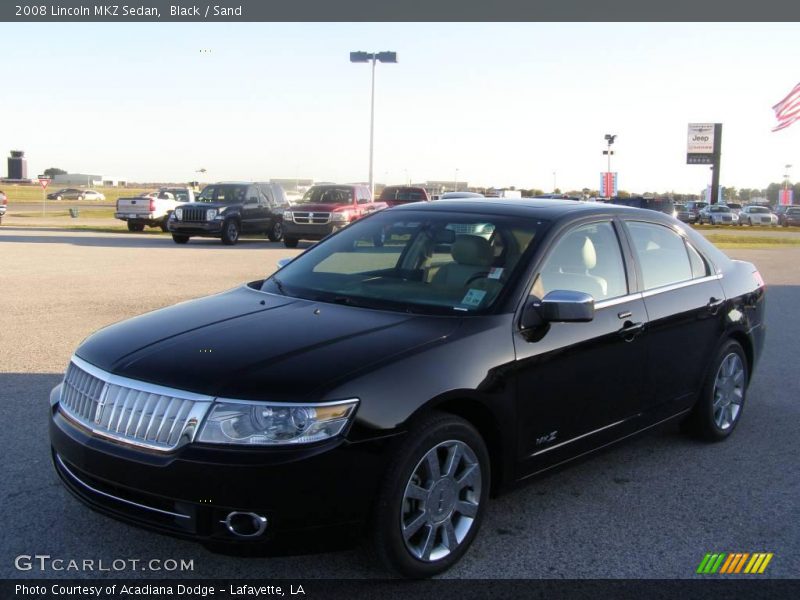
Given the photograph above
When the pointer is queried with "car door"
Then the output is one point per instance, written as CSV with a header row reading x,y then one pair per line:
x,y
683,297
579,384
251,210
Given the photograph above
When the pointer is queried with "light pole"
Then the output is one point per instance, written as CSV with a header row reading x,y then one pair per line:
x,y
362,57
555,187
610,140
455,181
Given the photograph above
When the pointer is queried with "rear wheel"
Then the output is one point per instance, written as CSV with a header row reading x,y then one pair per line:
x,y
230,233
275,233
290,242
433,497
135,227
719,408
180,239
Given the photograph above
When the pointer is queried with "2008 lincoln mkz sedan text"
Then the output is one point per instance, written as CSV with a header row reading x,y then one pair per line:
x,y
383,384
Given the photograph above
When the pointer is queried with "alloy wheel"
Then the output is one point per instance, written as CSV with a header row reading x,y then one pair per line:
x,y
728,391
441,501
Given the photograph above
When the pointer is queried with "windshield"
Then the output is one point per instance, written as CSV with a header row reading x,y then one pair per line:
x,y
328,195
758,209
229,194
722,209
420,261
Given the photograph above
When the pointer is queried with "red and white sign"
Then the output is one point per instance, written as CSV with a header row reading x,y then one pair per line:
x,y
608,184
785,197
43,181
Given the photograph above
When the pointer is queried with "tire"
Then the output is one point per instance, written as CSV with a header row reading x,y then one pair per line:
x,y
290,242
163,224
180,239
230,232
135,227
411,486
275,233
721,402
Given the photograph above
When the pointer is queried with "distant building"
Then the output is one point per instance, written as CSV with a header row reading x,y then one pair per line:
x,y
87,179
17,166
294,185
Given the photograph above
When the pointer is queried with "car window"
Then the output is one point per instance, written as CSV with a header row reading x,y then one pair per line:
x,y
587,259
663,255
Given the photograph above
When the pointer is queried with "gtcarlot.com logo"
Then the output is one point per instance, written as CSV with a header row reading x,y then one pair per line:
x,y
732,563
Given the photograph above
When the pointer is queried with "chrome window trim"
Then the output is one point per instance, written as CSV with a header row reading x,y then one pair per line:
x,y
117,498
682,284
618,300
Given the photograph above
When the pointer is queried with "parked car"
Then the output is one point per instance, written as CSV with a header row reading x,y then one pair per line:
x,y
92,195
735,207
790,216
3,205
394,195
228,209
757,215
388,390
325,209
66,194
664,205
693,207
152,209
681,212
717,214
460,195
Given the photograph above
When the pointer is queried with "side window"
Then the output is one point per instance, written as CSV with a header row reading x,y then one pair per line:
x,y
587,259
252,195
362,195
698,263
662,253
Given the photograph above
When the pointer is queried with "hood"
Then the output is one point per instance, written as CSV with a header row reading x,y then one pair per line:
x,y
251,345
216,205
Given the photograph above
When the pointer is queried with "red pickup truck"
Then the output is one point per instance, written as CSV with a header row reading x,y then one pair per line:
x,y
325,209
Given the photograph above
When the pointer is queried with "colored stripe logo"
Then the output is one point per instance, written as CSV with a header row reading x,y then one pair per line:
x,y
736,562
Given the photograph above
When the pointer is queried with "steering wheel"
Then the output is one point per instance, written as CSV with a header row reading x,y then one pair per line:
x,y
484,275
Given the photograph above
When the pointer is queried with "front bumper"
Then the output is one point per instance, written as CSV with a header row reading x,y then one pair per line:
x,y
310,231
321,493
201,228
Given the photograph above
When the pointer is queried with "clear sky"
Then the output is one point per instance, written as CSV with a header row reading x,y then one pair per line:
x,y
505,104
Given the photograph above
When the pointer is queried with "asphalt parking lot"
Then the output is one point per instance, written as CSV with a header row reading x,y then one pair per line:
x,y
650,508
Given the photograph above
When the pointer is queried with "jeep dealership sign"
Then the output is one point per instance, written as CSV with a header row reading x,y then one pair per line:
x,y
700,144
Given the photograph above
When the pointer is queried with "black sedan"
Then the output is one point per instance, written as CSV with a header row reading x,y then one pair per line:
x,y
386,382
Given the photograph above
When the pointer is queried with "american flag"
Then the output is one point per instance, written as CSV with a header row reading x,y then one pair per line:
x,y
787,111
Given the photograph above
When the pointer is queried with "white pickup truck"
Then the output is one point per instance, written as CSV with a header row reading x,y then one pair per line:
x,y
152,209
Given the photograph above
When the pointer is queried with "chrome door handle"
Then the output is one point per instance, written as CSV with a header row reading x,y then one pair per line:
x,y
630,330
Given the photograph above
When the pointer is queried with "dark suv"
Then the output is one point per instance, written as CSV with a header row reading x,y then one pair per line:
x,y
325,209
789,216
226,210
395,195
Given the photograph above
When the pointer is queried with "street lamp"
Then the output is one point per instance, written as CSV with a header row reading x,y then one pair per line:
x,y
455,181
362,57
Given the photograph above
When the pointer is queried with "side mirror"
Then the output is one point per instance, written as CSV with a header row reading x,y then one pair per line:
x,y
283,262
558,306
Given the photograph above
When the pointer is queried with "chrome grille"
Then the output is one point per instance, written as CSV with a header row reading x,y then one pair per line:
x,y
312,218
194,215
130,411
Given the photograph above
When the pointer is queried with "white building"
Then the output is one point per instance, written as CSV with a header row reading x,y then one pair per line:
x,y
87,179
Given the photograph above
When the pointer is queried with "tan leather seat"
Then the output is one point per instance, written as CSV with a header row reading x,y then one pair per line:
x,y
569,268
473,256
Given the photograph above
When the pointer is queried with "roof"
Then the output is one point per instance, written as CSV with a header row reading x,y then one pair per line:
x,y
524,207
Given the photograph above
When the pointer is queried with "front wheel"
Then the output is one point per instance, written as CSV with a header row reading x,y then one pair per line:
x,y
163,224
719,407
433,497
180,239
275,233
290,242
230,233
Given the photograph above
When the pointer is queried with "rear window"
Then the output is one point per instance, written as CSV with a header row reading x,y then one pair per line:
x,y
328,195
403,194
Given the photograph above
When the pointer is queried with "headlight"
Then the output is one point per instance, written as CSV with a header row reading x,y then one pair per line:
x,y
267,424
211,214
287,215
178,213
341,217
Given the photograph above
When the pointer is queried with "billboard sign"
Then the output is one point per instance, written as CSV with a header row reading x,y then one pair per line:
x,y
608,184
785,197
700,144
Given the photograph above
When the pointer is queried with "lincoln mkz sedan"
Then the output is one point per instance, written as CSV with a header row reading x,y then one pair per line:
x,y
383,391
